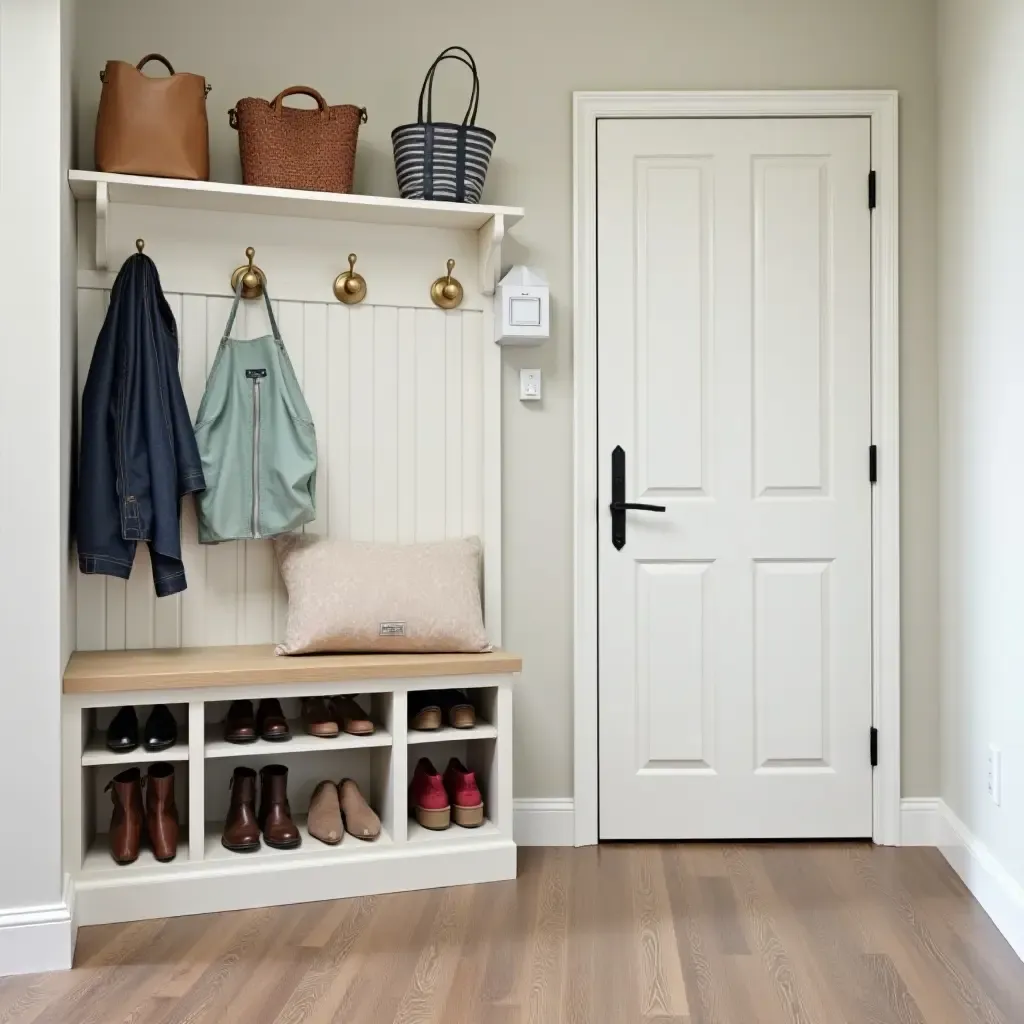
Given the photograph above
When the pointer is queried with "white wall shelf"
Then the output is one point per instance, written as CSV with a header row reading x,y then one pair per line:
x,y
106,190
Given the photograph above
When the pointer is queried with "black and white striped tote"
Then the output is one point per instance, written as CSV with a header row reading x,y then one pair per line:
x,y
440,160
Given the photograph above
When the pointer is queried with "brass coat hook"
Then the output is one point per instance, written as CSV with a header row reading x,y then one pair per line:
x,y
350,287
446,292
251,276
140,244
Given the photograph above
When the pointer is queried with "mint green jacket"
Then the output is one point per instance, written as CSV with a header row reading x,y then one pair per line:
x,y
256,440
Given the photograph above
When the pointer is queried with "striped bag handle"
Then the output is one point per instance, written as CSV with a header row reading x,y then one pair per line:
x,y
452,53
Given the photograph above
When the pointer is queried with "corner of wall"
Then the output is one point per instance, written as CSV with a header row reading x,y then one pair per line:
x,y
37,939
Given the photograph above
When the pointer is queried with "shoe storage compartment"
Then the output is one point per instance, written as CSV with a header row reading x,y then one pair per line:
x,y
368,767
96,720
476,748
98,808
207,877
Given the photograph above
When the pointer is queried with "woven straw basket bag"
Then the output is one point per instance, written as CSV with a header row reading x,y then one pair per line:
x,y
288,147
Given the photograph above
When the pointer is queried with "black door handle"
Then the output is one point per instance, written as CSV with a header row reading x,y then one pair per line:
x,y
622,506
619,506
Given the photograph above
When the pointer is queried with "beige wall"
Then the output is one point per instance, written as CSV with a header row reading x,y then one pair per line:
x,y
376,54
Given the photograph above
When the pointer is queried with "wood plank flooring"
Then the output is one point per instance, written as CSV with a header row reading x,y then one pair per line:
x,y
626,934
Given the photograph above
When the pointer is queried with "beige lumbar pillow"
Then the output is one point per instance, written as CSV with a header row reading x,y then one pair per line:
x,y
347,597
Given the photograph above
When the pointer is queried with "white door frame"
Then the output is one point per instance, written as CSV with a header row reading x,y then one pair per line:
x,y
882,109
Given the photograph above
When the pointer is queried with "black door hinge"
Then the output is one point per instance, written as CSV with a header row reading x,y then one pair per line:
x,y
874,747
872,190
873,464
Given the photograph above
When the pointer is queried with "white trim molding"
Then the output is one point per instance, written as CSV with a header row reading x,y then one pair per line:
x,y
998,892
920,819
543,822
36,939
930,822
882,109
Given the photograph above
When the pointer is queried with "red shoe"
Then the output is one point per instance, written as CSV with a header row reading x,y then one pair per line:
x,y
428,798
465,794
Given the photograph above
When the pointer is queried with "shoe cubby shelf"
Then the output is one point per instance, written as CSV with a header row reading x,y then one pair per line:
x,y
198,687
96,752
300,742
446,734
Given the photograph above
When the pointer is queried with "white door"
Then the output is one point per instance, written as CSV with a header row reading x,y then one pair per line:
x,y
734,337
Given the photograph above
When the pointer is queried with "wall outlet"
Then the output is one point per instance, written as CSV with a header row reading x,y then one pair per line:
x,y
529,386
995,775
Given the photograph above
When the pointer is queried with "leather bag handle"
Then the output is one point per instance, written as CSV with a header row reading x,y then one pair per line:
x,y
427,91
299,90
155,56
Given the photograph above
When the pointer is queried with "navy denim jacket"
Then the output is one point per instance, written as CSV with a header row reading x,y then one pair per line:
x,y
138,450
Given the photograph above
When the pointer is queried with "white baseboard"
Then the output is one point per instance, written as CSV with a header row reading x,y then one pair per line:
x,y
999,893
543,822
34,939
931,823
920,821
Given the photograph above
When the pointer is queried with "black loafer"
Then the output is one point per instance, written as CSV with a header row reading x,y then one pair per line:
x,y
123,731
161,729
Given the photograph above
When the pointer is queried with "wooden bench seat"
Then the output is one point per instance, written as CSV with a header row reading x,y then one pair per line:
x,y
188,667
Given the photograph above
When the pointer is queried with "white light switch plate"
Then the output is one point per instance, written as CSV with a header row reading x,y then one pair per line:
x,y
529,385
995,775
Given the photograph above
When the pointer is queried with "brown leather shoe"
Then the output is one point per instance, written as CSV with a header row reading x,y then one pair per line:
x,y
424,710
241,830
161,811
126,821
275,817
317,718
351,717
239,724
270,721
458,710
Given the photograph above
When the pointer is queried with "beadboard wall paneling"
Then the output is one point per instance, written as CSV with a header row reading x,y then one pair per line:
x,y
396,394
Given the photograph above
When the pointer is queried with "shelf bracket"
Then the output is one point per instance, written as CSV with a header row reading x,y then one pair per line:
x,y
102,224
489,238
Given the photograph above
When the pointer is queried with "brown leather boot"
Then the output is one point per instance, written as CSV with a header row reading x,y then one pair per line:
x,y
126,821
275,818
161,811
241,830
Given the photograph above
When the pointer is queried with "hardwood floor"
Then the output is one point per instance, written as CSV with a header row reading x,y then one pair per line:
x,y
624,934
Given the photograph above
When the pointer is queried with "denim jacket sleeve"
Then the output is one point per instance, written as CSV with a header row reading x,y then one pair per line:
x,y
138,454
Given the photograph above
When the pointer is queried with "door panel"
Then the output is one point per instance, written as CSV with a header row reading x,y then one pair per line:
x,y
734,369
672,338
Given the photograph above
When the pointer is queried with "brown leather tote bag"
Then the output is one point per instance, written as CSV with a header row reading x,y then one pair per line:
x,y
152,126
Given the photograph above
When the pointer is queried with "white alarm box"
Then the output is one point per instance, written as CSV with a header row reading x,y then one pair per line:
x,y
521,309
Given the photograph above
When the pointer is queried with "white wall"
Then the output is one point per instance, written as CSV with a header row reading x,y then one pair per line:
x,y
35,927
981,209
375,55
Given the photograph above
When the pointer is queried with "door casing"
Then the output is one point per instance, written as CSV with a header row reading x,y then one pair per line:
x,y
882,109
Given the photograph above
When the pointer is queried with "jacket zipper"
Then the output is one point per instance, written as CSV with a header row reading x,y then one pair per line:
x,y
256,458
